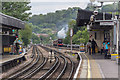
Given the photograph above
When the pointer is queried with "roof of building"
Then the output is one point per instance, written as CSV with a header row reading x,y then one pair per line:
x,y
44,35
11,21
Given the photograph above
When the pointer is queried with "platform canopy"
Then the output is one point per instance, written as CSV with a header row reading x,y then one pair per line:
x,y
83,17
11,22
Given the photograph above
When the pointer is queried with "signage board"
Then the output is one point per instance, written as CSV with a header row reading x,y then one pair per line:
x,y
71,32
107,23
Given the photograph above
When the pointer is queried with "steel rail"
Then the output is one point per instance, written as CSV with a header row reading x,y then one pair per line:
x,y
28,68
65,66
50,70
35,70
59,63
31,73
72,63
33,54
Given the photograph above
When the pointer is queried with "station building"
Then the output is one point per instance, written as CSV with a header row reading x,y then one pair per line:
x,y
103,27
9,27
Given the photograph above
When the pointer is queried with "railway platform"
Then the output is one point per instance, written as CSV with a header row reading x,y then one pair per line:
x,y
100,67
9,61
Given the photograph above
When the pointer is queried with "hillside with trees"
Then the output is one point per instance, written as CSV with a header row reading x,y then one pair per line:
x,y
54,21
106,8
51,23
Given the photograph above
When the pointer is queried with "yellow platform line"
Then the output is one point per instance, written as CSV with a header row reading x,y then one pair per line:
x,y
88,66
117,57
114,54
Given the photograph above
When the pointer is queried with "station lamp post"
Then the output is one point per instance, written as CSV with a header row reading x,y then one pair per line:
x,y
119,35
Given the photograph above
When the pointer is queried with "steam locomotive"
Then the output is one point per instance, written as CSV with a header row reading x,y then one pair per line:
x,y
58,42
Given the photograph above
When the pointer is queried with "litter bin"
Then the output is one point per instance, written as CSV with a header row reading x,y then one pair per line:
x,y
82,47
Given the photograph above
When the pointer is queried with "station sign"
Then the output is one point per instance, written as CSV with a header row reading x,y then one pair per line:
x,y
107,23
71,32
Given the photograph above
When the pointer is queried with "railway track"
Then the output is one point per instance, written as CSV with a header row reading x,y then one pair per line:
x,y
34,66
41,69
68,48
63,70
26,65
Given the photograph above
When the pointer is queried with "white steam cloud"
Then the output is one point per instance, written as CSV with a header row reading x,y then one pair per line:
x,y
62,33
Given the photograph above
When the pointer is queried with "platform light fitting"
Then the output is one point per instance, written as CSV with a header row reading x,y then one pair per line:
x,y
95,12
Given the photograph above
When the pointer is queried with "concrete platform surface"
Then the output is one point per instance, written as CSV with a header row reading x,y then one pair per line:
x,y
108,68
5,58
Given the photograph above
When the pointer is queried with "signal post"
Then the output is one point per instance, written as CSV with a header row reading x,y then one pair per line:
x,y
71,34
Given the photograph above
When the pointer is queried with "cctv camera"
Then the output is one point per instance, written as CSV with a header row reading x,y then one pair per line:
x,y
95,12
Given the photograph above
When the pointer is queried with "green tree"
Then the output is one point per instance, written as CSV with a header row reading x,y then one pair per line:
x,y
90,7
17,9
45,40
67,39
26,34
35,39
71,24
109,8
54,20
82,36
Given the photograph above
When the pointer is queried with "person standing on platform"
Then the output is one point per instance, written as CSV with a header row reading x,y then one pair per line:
x,y
16,46
24,51
105,44
89,47
93,46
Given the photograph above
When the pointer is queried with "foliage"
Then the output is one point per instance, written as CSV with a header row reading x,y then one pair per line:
x,y
109,8
67,38
16,9
44,40
50,22
71,24
35,39
54,21
106,8
82,36
79,35
26,34
90,7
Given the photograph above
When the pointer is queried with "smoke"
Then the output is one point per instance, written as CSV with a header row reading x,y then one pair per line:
x,y
62,32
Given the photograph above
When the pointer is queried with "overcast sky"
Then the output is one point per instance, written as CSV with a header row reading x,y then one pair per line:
x,y
46,6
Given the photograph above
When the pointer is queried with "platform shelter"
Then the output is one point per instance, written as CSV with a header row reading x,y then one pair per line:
x,y
9,27
101,27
